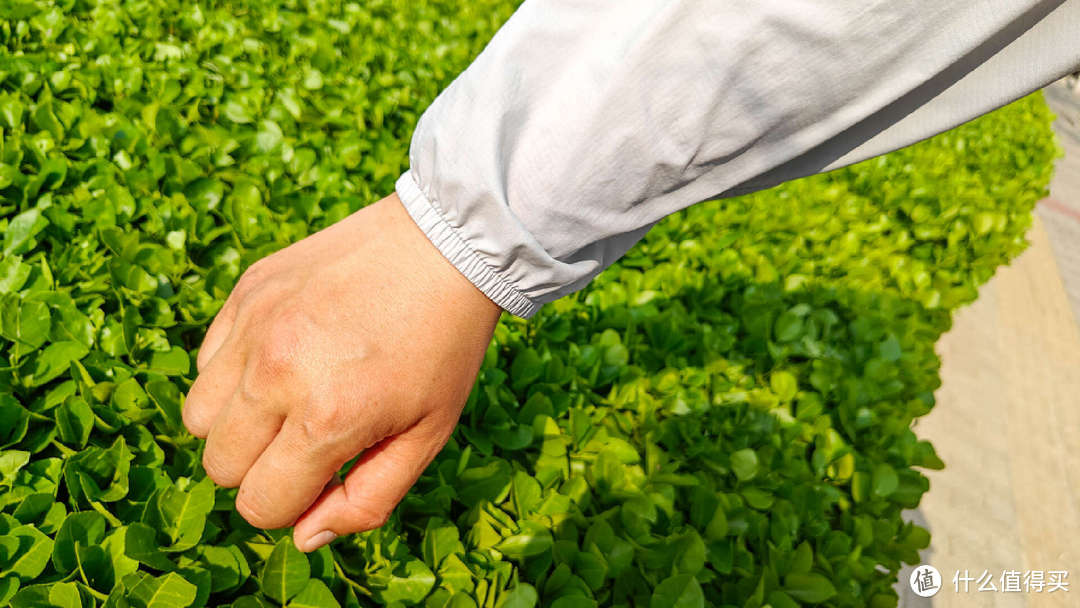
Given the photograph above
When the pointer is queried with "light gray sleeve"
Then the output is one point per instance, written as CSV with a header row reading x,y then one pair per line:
x,y
584,122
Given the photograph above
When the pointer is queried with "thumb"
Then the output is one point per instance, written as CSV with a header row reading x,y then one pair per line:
x,y
373,487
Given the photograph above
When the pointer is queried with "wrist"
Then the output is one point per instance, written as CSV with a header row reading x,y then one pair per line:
x,y
456,248
452,286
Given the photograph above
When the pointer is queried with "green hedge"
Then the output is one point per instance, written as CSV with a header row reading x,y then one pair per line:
x,y
722,418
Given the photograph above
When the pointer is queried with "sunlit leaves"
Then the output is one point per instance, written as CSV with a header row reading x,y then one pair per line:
x,y
723,417
285,573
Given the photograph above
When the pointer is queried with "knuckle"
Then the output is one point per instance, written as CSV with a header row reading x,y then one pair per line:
x,y
217,471
252,505
202,359
377,520
249,394
192,419
276,357
194,425
250,277
367,518
247,295
363,515
319,426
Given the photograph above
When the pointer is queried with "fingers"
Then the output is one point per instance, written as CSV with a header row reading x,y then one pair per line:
x,y
223,324
219,330
289,474
239,435
373,487
213,388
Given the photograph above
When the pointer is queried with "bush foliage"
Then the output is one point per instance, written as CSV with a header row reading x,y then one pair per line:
x,y
723,418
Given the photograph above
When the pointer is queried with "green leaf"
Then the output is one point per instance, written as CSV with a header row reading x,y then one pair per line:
x,y
32,554
522,596
744,463
65,595
314,595
526,368
25,322
13,274
441,540
591,569
182,510
623,451
885,480
166,398
173,362
14,421
718,525
168,591
680,591
526,492
779,599
45,119
690,553
22,231
803,559
784,385
227,565
758,498
812,587
11,461
55,360
74,421
789,327
32,596
79,529
890,349
285,572
410,583
140,544
11,108
99,474
114,547
489,482
519,546
252,601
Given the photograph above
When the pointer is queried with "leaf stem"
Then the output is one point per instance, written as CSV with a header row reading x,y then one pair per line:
x,y
355,585
66,451
94,592
105,512
41,417
168,440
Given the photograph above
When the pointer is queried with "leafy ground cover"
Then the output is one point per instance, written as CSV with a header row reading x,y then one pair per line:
x,y
722,418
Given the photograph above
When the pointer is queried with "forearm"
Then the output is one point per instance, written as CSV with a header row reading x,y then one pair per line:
x,y
583,123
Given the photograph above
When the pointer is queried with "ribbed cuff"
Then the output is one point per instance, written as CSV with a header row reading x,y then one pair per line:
x,y
456,249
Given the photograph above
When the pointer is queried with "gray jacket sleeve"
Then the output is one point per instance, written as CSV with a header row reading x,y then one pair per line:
x,y
584,122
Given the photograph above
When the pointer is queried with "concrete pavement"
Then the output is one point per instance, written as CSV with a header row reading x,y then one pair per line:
x,y
1007,418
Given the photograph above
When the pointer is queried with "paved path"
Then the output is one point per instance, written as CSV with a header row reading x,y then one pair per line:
x,y
1061,210
1007,419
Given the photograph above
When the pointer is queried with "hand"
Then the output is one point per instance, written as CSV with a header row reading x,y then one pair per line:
x,y
360,338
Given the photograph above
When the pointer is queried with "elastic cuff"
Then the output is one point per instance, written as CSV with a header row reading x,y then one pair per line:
x,y
450,243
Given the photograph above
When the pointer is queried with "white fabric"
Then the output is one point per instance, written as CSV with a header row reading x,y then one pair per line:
x,y
584,122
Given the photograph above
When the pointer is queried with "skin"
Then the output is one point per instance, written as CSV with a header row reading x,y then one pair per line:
x,y
361,338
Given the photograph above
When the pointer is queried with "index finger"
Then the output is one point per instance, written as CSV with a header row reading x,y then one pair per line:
x,y
219,330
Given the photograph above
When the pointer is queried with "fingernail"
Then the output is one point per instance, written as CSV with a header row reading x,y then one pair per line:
x,y
320,539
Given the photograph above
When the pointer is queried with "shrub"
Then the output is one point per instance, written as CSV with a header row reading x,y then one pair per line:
x,y
724,417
